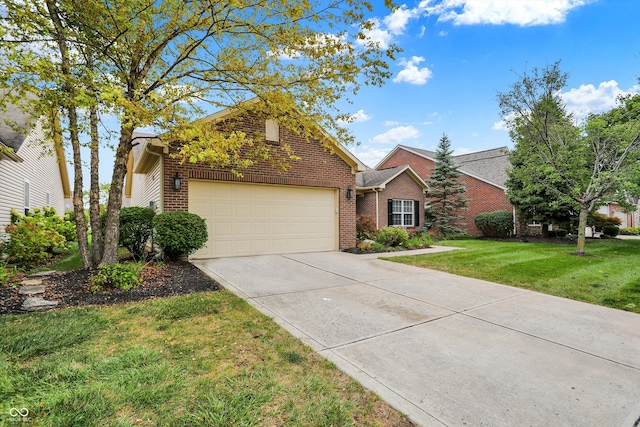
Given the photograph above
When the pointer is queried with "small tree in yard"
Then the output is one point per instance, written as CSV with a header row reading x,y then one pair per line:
x,y
446,193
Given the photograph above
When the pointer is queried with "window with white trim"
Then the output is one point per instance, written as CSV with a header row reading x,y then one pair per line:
x,y
403,213
27,197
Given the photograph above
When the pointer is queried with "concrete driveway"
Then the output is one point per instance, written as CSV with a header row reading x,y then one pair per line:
x,y
448,350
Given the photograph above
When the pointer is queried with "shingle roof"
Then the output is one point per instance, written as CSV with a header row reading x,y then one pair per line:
x,y
10,120
376,178
490,165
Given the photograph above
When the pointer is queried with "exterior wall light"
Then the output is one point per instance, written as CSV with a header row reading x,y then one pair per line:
x,y
177,182
349,193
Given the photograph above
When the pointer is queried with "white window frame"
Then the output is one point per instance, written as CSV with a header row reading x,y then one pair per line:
x,y
27,196
399,208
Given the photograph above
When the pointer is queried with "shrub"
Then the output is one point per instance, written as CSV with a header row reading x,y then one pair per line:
x,y
364,246
136,227
6,274
365,226
419,242
611,230
119,276
495,224
32,238
631,231
561,232
599,220
179,233
392,236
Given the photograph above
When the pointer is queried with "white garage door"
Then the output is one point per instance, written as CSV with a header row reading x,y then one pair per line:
x,y
254,219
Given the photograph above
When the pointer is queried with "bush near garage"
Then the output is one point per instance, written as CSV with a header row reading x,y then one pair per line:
x,y
365,227
136,227
611,230
599,221
392,236
179,233
495,224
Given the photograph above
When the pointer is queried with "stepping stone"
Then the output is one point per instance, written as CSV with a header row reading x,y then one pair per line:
x,y
43,273
37,304
31,290
31,282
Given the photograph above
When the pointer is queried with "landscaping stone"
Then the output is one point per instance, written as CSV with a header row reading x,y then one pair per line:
x,y
37,304
31,290
31,282
43,273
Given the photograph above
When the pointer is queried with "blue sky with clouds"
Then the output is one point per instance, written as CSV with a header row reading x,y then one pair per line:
x,y
459,53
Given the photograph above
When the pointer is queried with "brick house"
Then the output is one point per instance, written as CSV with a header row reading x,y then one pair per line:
x,y
393,196
483,174
309,207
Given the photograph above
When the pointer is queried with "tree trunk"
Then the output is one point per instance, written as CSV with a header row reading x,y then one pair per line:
x,y
112,221
582,225
68,88
97,243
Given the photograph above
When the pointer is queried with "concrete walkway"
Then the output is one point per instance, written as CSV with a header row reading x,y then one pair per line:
x,y
447,350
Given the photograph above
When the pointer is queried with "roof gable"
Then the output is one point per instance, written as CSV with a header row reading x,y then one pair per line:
x,y
378,179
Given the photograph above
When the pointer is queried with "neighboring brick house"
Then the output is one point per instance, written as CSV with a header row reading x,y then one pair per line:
x,y
394,196
627,219
309,207
483,174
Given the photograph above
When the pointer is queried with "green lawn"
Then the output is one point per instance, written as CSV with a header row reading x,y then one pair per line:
x,y
608,276
207,359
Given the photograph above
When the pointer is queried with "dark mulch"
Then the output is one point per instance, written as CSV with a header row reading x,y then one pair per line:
x,y
71,288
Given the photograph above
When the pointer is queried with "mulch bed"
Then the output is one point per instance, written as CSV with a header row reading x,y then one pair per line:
x,y
70,288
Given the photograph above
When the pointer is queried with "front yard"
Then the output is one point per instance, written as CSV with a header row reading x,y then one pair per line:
x,y
206,359
608,276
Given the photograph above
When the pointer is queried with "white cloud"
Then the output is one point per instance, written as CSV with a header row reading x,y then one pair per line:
x,y
371,156
503,124
397,21
377,35
396,135
461,151
391,123
443,33
422,31
359,116
500,12
427,123
590,99
411,73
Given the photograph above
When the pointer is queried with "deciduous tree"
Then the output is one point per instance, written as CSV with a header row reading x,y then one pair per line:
x,y
585,161
162,63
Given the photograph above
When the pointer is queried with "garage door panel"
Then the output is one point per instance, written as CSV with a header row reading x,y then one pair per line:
x,y
248,219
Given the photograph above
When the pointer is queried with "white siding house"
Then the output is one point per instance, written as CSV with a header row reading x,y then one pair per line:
x,y
33,174
144,174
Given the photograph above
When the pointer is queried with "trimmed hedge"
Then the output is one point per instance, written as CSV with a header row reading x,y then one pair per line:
x,y
495,224
392,236
179,233
611,230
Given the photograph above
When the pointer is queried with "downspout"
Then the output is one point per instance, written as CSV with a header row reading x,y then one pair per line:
x,y
377,226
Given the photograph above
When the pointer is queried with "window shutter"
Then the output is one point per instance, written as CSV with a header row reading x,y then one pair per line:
x,y
389,212
416,213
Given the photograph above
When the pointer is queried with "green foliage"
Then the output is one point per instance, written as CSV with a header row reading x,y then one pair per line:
x,y
446,193
611,230
365,226
7,275
34,237
561,232
179,233
118,276
495,224
392,236
599,221
419,242
365,246
136,227
630,231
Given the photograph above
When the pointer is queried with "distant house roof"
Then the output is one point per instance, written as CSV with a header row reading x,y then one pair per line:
x,y
488,165
14,125
378,179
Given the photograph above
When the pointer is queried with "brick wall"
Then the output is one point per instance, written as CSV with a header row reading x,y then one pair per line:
x,y
316,168
483,197
402,187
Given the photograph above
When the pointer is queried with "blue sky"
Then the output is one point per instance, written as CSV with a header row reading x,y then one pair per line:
x,y
458,54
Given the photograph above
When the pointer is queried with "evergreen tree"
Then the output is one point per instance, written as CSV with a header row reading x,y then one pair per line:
x,y
446,192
